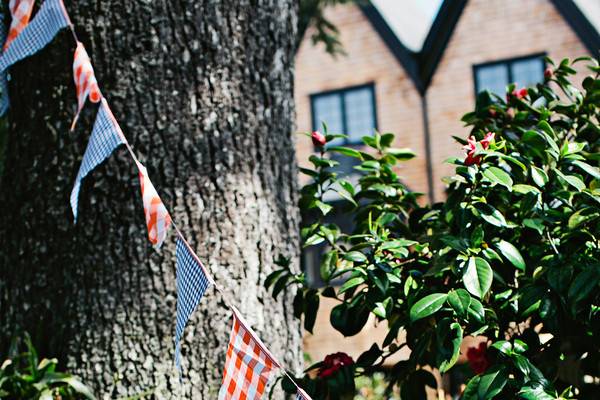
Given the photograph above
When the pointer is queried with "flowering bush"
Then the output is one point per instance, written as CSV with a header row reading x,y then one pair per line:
x,y
512,254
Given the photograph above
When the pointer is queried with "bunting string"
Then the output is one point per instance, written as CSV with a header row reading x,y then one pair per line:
x,y
249,364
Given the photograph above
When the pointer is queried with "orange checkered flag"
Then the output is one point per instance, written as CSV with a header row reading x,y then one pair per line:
x,y
248,365
158,219
20,11
86,84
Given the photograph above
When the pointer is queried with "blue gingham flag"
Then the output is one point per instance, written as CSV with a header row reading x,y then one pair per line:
x,y
192,282
4,74
301,395
106,136
50,19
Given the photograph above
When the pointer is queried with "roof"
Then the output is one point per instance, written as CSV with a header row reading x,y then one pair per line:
x,y
421,64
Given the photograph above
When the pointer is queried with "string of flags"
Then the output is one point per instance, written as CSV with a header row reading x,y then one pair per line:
x,y
249,365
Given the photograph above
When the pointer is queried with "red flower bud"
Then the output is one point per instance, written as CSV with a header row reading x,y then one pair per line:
x,y
548,73
492,112
318,139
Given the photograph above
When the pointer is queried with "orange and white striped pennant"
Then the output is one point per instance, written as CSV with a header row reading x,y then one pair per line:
x,y
20,11
158,219
86,84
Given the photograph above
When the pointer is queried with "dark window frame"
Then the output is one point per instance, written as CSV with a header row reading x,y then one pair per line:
x,y
508,62
340,92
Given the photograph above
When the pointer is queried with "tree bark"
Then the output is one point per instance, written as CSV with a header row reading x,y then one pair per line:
x,y
203,92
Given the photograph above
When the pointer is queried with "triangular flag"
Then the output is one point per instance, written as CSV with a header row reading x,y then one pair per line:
x,y
106,136
50,18
20,12
192,282
248,365
85,80
158,219
4,100
301,395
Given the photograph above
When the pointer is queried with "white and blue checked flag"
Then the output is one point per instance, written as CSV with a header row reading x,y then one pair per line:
x,y
50,19
192,282
301,395
4,100
106,136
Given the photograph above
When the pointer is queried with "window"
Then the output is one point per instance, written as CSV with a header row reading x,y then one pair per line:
x,y
350,111
495,76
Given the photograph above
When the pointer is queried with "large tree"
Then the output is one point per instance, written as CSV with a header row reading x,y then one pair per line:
x,y
203,92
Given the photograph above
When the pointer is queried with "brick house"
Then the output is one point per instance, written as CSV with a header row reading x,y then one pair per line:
x,y
421,94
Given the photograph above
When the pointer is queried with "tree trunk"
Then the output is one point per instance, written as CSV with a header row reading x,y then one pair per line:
x,y
203,92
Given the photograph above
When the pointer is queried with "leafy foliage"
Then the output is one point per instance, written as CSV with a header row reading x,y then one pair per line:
x,y
24,376
512,254
312,15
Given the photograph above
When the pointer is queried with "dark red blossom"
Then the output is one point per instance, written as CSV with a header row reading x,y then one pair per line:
x,y
478,358
548,73
333,363
318,139
471,148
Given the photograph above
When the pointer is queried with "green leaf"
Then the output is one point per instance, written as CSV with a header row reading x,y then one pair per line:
x,y
524,189
498,176
355,256
478,277
427,305
593,171
401,154
325,208
491,215
582,216
584,283
512,254
455,332
470,392
459,300
492,382
350,283
539,176
311,306
571,180
345,151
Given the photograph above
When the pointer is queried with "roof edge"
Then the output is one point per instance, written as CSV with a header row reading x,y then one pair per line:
x,y
438,37
407,58
580,24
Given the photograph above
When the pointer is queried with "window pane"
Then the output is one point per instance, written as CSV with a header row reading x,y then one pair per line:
x,y
528,72
359,113
493,78
328,109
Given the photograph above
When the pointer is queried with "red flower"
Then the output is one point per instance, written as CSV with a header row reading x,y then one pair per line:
x,y
318,139
478,359
548,72
333,363
471,148
492,112
519,93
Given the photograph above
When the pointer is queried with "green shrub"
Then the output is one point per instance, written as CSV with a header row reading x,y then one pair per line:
x,y
512,254
24,376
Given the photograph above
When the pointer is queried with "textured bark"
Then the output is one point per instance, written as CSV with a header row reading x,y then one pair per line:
x,y
203,91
